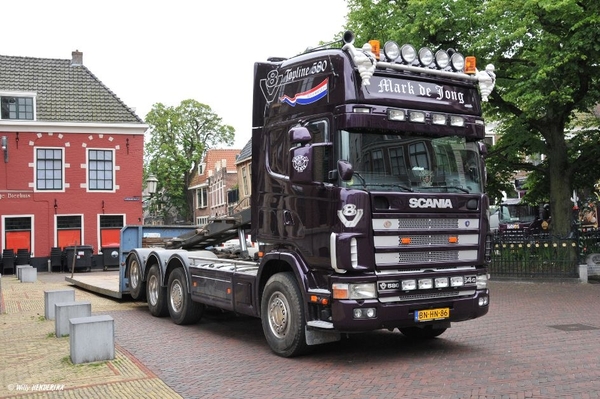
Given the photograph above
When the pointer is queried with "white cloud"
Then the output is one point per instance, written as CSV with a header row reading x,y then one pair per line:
x,y
150,51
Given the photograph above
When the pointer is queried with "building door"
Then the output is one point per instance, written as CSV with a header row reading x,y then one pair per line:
x,y
68,231
17,233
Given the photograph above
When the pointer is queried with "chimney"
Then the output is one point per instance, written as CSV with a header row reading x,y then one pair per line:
x,y
77,59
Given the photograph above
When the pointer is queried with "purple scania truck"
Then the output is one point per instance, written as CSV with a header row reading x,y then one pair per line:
x,y
367,203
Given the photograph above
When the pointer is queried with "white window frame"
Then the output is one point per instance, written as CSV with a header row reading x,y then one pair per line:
x,y
35,170
114,170
22,94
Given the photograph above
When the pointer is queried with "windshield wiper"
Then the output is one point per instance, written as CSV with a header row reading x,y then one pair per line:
x,y
464,190
403,187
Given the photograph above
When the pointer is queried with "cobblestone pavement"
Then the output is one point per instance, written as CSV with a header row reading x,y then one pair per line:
x,y
539,340
36,364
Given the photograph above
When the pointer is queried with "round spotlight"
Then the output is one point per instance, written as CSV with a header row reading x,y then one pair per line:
x,y
408,53
391,50
458,62
442,59
425,56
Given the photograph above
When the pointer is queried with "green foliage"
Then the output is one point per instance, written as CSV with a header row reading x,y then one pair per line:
x,y
547,59
179,138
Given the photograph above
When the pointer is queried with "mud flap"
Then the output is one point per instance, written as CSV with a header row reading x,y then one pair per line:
x,y
317,337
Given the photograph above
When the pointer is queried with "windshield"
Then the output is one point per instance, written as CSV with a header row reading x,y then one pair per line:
x,y
405,162
516,213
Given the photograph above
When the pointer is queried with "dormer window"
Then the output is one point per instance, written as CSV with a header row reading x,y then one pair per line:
x,y
17,107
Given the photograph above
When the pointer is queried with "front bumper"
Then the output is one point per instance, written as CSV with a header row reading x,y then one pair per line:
x,y
402,314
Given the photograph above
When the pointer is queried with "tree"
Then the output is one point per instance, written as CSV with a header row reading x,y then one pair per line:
x,y
547,59
179,138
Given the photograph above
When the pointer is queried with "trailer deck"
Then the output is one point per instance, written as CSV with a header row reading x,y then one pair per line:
x,y
102,282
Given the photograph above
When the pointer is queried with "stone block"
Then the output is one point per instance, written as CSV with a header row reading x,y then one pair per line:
x,y
19,268
68,310
52,297
28,275
92,339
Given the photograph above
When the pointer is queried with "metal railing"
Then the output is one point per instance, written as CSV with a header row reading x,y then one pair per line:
x,y
544,256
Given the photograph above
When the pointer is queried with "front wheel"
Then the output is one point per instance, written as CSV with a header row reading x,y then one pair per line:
x,y
181,307
157,302
427,332
282,316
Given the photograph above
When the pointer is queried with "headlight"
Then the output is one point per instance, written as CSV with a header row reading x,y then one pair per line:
x,y
482,281
391,50
442,59
354,291
457,61
408,53
425,56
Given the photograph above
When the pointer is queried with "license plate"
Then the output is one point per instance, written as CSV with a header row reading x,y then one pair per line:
x,y
432,314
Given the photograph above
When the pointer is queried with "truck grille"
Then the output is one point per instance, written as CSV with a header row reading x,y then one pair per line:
x,y
412,241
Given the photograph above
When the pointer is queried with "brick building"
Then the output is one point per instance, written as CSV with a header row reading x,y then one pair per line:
x,y
71,162
216,175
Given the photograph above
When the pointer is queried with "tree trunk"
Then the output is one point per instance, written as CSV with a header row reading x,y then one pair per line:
x,y
561,180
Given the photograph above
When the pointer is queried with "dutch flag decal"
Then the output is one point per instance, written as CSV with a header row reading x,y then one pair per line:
x,y
307,97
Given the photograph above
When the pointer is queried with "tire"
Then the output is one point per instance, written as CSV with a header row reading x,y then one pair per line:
x,y
137,287
427,332
181,307
155,294
282,316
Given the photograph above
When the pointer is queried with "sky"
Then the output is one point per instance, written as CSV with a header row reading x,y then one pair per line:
x,y
151,51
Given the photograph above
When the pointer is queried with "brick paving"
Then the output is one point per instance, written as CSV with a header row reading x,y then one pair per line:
x,y
539,340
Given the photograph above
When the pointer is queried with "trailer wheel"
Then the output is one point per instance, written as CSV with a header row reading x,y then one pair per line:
x,y
427,332
157,301
181,307
282,316
137,287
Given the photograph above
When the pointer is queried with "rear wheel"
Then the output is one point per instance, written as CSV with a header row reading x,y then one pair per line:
x,y
282,316
427,332
137,287
181,307
157,301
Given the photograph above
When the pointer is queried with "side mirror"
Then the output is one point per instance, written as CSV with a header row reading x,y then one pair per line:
x,y
345,170
299,135
482,149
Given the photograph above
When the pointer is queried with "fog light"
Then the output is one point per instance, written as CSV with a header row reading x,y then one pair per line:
x,y
408,285
364,313
441,282
457,281
425,283
483,300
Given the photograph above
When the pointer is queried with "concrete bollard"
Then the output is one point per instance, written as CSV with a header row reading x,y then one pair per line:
x,y
92,339
28,275
52,297
583,273
68,310
19,268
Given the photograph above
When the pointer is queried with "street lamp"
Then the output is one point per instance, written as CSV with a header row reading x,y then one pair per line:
x,y
151,183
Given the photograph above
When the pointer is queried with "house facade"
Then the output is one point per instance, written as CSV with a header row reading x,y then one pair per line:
x,y
215,177
71,162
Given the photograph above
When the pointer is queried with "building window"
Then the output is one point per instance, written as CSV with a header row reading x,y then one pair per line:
x,y
202,220
110,230
100,170
202,198
68,231
49,169
245,181
16,107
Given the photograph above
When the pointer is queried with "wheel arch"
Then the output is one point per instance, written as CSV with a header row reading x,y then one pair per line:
x,y
280,263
